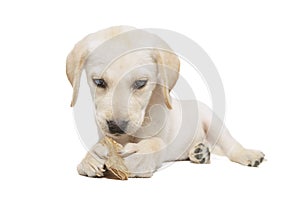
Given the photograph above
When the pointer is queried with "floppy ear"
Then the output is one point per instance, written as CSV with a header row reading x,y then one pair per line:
x,y
75,63
168,69
78,56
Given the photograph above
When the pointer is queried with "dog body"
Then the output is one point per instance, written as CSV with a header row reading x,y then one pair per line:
x,y
130,74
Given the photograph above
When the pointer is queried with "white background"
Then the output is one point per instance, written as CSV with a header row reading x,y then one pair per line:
x,y
254,44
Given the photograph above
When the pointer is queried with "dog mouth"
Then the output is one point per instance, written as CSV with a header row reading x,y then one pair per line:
x,y
116,134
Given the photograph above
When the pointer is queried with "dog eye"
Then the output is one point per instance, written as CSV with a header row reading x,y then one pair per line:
x,y
100,83
139,84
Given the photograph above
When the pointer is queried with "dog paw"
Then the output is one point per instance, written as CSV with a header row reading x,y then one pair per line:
x,y
91,166
93,163
251,158
140,163
200,154
129,149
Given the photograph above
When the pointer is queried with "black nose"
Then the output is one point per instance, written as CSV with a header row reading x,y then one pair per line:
x,y
117,127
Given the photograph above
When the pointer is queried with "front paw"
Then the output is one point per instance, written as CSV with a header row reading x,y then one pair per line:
x,y
251,158
93,165
140,164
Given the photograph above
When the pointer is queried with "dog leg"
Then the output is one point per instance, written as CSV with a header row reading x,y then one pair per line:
x,y
233,149
218,135
93,163
143,158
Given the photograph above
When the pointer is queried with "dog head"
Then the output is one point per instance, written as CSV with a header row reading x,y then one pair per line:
x,y
128,71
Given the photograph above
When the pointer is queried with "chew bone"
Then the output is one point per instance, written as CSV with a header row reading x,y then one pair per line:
x,y
115,162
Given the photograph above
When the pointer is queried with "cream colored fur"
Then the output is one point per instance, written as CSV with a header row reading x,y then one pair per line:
x,y
158,127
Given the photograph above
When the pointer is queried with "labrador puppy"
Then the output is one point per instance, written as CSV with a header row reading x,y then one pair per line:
x,y
130,73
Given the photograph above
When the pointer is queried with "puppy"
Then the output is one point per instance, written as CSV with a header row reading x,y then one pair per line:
x,y
130,73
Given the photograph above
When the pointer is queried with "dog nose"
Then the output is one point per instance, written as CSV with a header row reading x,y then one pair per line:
x,y
117,127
